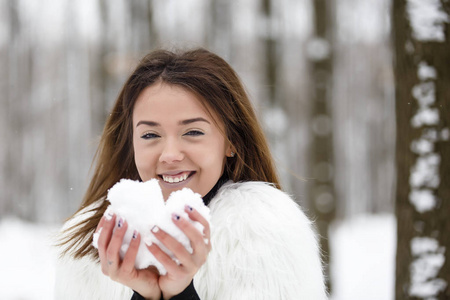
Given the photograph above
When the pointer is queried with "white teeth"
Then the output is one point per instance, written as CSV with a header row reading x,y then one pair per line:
x,y
170,179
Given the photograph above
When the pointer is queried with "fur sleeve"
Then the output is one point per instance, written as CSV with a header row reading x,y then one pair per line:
x,y
263,247
82,278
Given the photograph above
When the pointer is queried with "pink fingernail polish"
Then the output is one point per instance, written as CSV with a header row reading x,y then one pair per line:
x,y
189,208
135,233
175,217
120,224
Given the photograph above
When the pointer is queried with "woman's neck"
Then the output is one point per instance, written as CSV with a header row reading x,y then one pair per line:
x,y
207,198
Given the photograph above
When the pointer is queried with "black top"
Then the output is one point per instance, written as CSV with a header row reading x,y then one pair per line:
x,y
215,188
190,293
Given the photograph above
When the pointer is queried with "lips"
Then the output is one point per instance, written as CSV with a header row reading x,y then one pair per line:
x,y
176,177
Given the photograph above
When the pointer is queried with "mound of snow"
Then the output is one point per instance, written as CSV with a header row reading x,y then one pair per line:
x,y
142,206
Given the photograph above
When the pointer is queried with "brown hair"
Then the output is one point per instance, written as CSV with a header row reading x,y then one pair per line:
x,y
215,82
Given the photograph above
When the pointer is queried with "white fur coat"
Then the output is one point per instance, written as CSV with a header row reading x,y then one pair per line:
x,y
263,247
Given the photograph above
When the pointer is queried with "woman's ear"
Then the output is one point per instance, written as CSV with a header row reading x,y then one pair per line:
x,y
231,152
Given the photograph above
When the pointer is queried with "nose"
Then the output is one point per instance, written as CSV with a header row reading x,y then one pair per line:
x,y
171,152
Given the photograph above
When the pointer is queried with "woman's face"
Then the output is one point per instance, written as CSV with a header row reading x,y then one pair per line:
x,y
176,140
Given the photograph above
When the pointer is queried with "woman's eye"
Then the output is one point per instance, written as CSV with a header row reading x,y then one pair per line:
x,y
148,136
194,133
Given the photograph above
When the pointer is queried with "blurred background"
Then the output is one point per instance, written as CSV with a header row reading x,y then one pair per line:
x,y
319,73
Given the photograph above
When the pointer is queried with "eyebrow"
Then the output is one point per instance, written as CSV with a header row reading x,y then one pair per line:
x,y
189,121
183,122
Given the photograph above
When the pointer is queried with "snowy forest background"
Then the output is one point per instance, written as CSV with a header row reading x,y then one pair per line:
x,y
320,74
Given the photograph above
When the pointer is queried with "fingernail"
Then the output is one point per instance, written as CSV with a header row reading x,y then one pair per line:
x,y
120,224
175,217
95,237
135,233
148,241
155,229
189,208
108,214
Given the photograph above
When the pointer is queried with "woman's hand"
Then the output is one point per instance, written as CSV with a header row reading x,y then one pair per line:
x,y
179,275
145,281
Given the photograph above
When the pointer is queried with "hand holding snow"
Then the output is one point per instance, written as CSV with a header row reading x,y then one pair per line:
x,y
141,205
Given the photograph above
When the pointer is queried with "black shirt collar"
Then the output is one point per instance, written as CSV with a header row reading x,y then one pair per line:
x,y
214,190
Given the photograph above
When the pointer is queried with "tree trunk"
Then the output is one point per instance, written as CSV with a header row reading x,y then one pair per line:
x,y
422,77
321,190
218,35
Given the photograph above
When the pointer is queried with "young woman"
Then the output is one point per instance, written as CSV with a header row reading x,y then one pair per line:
x,y
185,119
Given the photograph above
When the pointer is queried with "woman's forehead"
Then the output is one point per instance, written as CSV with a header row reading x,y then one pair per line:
x,y
162,100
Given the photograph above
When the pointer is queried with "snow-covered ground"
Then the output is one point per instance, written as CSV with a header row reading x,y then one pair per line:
x,y
26,261
362,260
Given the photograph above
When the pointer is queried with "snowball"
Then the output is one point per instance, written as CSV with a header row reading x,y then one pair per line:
x,y
424,271
425,171
426,71
427,18
423,200
428,261
425,94
422,245
422,146
141,205
425,117
427,289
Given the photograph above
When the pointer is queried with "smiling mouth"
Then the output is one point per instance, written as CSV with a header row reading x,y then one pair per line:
x,y
177,178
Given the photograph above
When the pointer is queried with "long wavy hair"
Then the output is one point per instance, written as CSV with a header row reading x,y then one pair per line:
x,y
218,87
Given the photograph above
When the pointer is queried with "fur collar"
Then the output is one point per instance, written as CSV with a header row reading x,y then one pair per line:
x,y
263,247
